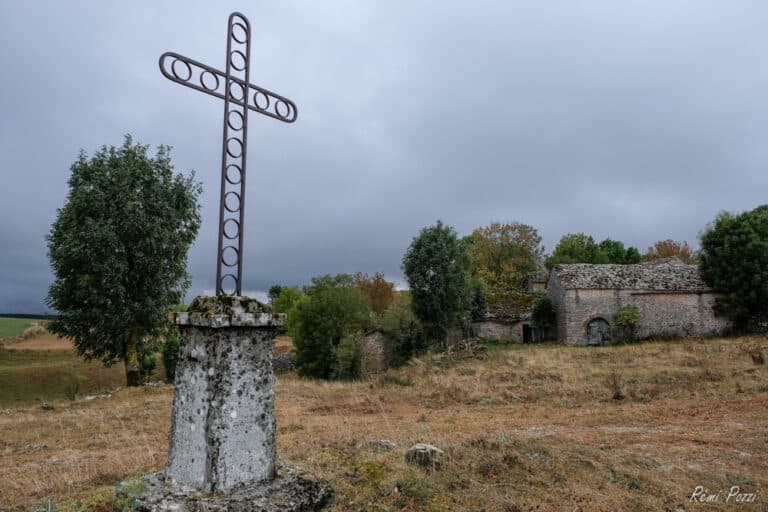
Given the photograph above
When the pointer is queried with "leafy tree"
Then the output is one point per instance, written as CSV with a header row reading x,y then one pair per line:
x,y
543,311
118,250
287,298
274,292
332,309
478,298
734,261
581,248
377,290
436,266
576,248
668,248
403,334
170,355
615,252
504,254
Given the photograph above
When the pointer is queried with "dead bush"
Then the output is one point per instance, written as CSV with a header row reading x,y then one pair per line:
x,y
754,351
613,383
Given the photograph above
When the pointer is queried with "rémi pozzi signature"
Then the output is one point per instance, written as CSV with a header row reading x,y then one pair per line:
x,y
735,495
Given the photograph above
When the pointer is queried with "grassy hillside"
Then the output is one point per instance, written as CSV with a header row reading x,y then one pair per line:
x,y
10,327
528,426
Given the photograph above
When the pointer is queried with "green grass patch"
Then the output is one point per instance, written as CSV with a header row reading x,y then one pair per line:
x,y
12,327
30,376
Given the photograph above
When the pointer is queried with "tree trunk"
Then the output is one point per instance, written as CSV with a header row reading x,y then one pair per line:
x,y
131,360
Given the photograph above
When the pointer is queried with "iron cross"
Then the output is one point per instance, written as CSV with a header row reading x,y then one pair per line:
x,y
239,96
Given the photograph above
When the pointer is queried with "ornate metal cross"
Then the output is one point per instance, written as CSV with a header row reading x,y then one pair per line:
x,y
239,96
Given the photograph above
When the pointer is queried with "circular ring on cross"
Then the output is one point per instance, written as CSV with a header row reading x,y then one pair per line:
x,y
235,120
206,82
239,32
230,286
229,256
235,86
232,201
237,59
233,174
234,150
176,73
287,109
256,100
231,232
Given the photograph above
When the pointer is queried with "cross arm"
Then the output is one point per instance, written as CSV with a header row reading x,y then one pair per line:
x,y
194,74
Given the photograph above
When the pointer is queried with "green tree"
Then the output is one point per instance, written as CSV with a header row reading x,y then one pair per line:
x,y
542,312
615,252
274,292
118,250
332,309
733,260
436,266
576,248
288,297
403,334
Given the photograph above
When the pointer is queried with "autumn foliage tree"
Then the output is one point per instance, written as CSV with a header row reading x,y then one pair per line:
x,y
376,289
504,254
668,248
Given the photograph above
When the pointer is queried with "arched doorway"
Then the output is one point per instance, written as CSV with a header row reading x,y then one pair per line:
x,y
598,332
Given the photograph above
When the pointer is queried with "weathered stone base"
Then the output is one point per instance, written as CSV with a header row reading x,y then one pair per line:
x,y
289,492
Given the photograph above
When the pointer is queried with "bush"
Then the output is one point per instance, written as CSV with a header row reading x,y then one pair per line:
x,y
170,355
543,311
346,364
332,309
403,335
626,322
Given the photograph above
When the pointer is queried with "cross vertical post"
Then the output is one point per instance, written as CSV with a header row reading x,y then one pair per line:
x,y
239,97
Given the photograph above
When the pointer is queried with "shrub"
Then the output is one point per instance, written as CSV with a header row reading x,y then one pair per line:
x,y
755,352
543,311
170,355
346,364
626,322
332,309
403,335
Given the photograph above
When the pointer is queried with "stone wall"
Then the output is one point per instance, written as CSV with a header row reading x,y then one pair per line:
x,y
661,313
372,360
556,294
493,330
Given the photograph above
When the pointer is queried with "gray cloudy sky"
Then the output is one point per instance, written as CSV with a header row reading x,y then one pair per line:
x,y
636,120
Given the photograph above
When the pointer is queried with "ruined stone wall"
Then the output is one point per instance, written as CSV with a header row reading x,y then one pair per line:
x,y
492,330
661,313
372,361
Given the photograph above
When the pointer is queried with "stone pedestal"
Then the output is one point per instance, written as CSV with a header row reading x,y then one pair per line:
x,y
223,419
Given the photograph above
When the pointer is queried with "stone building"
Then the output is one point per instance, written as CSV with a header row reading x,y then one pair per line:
x,y
669,295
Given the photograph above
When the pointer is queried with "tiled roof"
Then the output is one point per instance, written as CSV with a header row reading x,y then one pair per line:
x,y
661,275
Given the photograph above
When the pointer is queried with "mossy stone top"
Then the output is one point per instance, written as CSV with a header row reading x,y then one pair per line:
x,y
229,311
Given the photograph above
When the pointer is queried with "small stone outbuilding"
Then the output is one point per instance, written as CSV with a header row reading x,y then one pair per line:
x,y
372,356
669,296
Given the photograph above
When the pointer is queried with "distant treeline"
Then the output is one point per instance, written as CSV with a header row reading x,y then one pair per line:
x,y
31,317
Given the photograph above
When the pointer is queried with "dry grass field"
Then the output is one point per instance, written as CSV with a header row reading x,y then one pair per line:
x,y
528,427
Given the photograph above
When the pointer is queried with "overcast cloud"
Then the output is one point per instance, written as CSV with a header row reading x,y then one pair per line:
x,y
632,120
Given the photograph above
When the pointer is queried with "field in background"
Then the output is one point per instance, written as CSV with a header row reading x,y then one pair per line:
x,y
40,368
11,327
529,425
